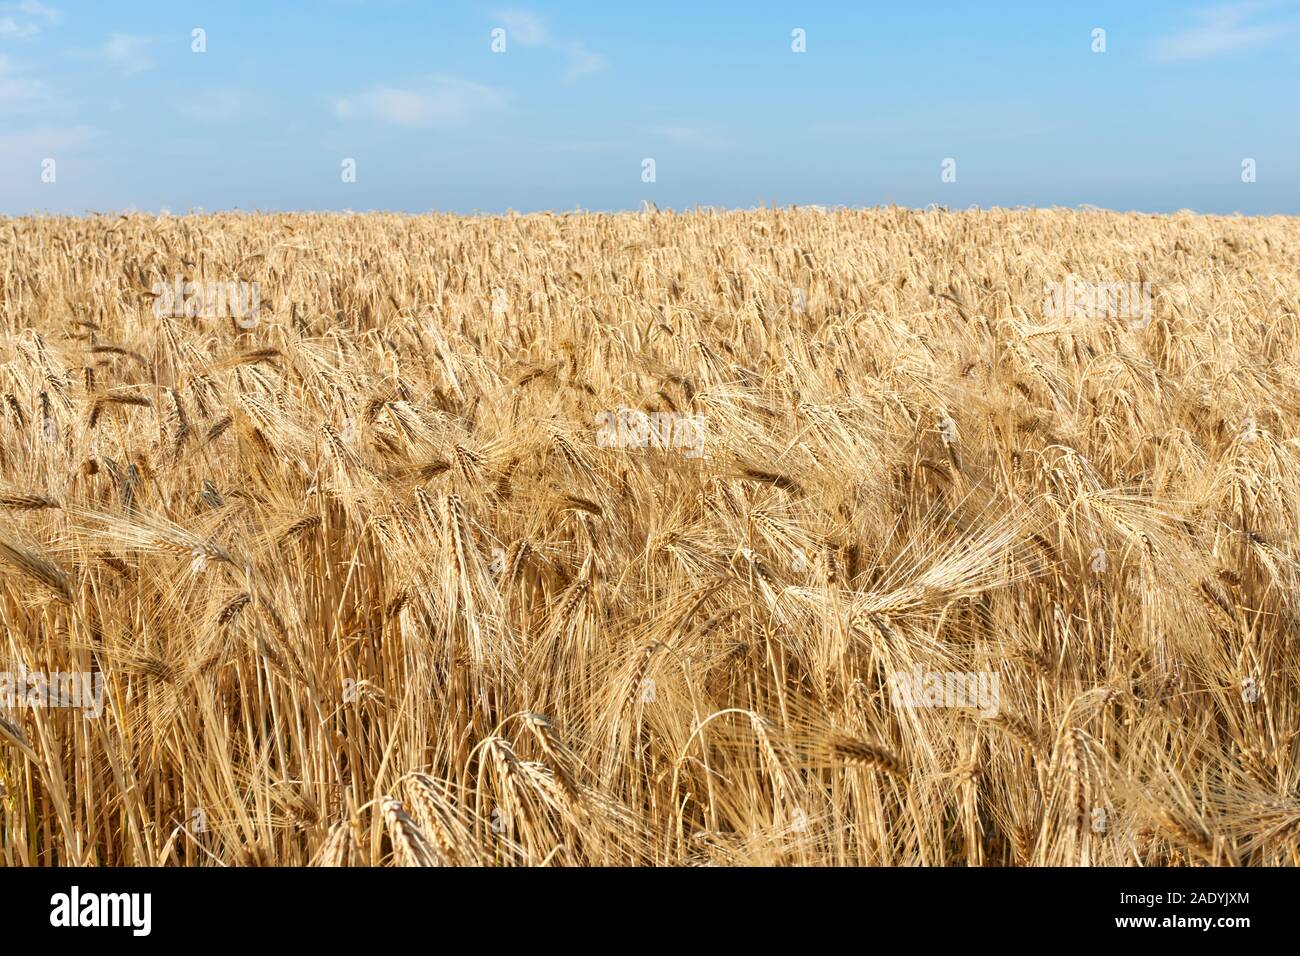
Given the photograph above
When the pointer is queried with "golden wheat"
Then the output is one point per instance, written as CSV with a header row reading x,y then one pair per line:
x,y
651,539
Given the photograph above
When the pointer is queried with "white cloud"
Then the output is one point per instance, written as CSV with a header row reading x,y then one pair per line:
x,y
224,103
44,141
19,93
1223,29
527,29
128,52
442,101
22,26
700,137
582,146
522,27
22,156
582,62
9,27
34,8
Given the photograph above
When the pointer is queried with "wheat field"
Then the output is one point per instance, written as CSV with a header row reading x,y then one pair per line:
x,y
367,581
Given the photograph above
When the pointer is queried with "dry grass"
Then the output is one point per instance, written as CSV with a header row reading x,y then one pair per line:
x,y
364,588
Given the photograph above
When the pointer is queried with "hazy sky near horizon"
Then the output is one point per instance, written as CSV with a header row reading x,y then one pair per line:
x,y
584,93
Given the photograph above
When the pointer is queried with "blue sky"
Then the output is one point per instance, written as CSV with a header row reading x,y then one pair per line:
x,y
584,92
